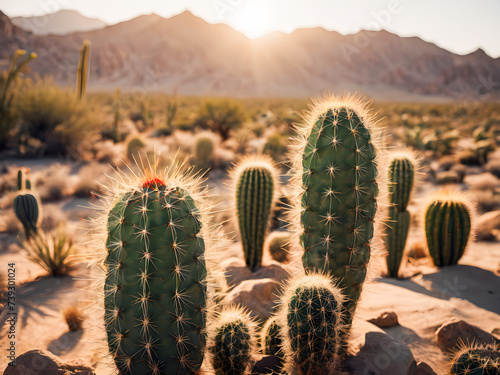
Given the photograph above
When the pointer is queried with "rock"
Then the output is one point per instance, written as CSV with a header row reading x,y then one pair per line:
x,y
488,226
237,271
452,334
258,296
43,362
267,365
424,369
448,177
386,319
382,355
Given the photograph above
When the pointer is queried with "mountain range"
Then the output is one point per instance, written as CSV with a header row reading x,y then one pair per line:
x,y
152,53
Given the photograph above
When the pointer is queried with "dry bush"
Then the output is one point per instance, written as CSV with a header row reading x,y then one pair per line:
x,y
109,152
51,216
89,177
417,250
10,223
52,184
74,317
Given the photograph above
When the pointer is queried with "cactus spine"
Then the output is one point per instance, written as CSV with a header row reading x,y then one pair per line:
x,y
477,360
233,342
83,70
311,321
155,286
448,225
336,170
401,180
255,184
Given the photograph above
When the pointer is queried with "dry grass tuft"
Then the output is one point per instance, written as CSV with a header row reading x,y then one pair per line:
x,y
74,318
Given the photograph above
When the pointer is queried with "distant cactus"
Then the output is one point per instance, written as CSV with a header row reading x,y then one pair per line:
x,y
134,148
83,70
278,246
255,182
155,290
336,171
477,360
271,339
232,342
23,182
448,225
116,119
203,148
311,319
27,211
171,111
401,178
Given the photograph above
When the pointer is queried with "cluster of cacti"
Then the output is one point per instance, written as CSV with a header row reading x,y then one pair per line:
x,y
232,342
312,321
155,291
477,360
448,226
400,177
278,245
83,70
336,168
26,205
255,180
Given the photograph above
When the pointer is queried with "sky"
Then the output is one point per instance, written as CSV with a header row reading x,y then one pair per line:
x,y
460,26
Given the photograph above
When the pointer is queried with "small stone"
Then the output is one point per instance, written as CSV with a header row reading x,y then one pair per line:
x,y
488,226
382,354
43,362
424,369
80,367
386,319
237,271
267,365
455,332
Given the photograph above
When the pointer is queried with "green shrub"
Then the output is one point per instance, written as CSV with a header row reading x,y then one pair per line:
x,y
221,116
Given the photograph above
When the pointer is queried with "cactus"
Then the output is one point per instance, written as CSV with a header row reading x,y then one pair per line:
x,y
336,172
134,148
83,70
311,320
203,148
232,342
23,182
255,194
278,246
477,360
270,339
448,225
401,179
155,290
27,211
116,118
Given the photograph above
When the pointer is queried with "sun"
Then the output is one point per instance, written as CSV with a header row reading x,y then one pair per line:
x,y
253,18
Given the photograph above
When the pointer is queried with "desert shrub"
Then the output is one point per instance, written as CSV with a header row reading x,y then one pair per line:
x,y
88,180
135,147
493,167
53,120
221,116
52,183
276,147
73,317
52,251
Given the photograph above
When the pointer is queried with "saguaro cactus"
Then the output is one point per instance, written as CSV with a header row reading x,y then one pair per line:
x,y
477,360
155,288
255,194
311,320
448,225
336,170
233,342
83,70
401,178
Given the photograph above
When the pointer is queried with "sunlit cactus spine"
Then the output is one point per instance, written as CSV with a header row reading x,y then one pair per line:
x,y
271,338
255,180
155,290
83,70
312,324
401,179
477,360
448,226
336,173
232,342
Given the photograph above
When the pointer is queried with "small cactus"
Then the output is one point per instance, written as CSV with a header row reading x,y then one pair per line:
x,y
83,70
255,195
448,226
278,246
155,290
270,339
23,182
232,342
27,211
401,180
336,174
311,320
477,360
134,148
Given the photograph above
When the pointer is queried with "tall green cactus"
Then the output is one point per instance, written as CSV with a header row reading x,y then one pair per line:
x,y
311,320
255,194
448,225
477,360
155,291
232,342
336,170
83,70
401,178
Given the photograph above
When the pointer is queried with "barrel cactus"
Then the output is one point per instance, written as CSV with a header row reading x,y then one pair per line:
x,y
401,177
155,289
448,227
255,181
270,340
477,360
232,342
311,321
336,173
278,245
27,211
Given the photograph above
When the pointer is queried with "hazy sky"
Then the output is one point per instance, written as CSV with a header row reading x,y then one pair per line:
x,y
460,26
